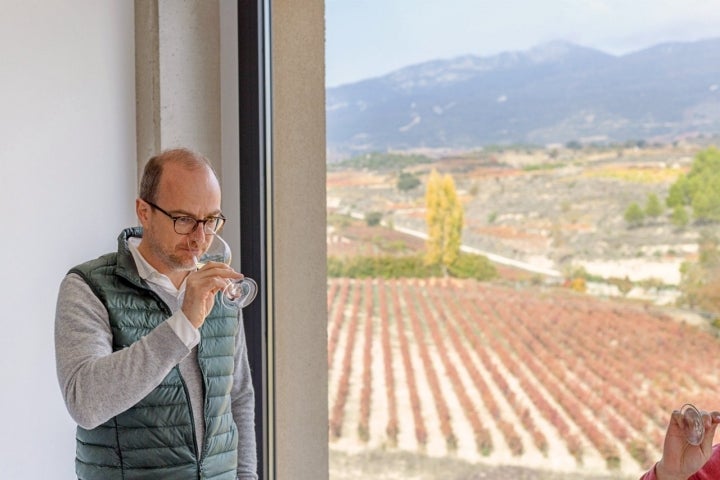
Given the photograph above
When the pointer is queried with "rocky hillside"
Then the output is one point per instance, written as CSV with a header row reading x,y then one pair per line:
x,y
555,93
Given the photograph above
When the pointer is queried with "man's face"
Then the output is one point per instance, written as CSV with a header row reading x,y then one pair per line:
x,y
182,192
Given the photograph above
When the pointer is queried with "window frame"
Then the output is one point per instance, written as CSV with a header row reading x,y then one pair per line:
x,y
254,181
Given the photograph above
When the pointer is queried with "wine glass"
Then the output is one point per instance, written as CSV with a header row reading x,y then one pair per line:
x,y
692,424
239,293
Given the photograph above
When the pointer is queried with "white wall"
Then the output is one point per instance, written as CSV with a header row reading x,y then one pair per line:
x,y
67,187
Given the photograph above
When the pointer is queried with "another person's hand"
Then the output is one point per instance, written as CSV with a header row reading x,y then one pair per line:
x,y
680,459
201,287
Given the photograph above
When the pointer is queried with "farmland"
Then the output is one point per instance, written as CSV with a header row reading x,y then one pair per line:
x,y
562,212
517,377
493,375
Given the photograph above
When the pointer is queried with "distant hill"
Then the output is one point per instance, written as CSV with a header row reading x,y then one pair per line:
x,y
554,93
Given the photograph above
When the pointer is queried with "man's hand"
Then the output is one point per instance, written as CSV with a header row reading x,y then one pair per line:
x,y
201,287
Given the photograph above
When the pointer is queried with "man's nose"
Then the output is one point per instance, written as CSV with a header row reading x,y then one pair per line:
x,y
199,233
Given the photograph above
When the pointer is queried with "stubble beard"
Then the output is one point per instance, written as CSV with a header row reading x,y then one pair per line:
x,y
175,260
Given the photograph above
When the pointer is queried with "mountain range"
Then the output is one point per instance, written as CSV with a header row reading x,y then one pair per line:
x,y
557,92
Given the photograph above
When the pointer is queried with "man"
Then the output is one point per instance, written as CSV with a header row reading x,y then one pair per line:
x,y
152,367
682,460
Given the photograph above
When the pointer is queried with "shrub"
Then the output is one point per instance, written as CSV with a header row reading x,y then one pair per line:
x,y
634,215
408,266
653,208
474,266
373,218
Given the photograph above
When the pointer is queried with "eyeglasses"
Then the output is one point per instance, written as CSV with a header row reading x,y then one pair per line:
x,y
185,225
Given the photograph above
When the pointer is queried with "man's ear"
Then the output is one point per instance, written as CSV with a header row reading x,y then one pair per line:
x,y
142,210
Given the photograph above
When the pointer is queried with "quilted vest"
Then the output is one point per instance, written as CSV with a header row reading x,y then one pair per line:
x,y
156,439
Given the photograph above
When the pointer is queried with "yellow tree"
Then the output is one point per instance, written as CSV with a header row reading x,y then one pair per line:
x,y
444,218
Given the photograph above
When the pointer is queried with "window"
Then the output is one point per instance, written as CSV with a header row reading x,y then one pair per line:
x,y
560,335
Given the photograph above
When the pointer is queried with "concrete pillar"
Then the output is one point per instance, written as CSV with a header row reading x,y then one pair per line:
x,y
177,56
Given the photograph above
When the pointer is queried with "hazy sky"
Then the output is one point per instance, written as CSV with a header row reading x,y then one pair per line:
x,y
367,38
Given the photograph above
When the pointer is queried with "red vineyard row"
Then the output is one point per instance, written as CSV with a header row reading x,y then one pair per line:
x,y
544,364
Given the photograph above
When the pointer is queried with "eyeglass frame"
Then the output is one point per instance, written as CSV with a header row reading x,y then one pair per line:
x,y
220,219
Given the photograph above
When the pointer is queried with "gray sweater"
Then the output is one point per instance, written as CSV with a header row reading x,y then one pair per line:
x,y
98,384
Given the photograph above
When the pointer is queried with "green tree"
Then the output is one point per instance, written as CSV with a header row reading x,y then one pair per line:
x,y
679,193
407,181
700,187
634,215
444,217
706,202
700,283
680,216
381,161
653,208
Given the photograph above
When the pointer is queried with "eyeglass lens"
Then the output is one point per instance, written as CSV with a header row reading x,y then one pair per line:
x,y
186,225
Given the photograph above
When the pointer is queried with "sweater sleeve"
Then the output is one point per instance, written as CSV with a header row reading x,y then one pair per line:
x,y
243,408
97,383
709,471
650,475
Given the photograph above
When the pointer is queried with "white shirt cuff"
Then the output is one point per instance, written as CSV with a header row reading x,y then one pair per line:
x,y
182,327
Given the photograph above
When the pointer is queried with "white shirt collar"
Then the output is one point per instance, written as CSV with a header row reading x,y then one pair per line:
x,y
148,273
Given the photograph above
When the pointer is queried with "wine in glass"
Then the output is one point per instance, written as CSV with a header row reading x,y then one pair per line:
x,y
692,424
239,293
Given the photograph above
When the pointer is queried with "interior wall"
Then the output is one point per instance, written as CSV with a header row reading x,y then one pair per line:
x,y
67,188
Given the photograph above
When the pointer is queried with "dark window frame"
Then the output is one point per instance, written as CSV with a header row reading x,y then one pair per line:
x,y
255,210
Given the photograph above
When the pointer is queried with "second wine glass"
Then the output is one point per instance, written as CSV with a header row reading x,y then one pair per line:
x,y
239,293
692,424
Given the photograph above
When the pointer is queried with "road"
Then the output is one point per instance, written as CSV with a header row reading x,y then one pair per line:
x,y
491,256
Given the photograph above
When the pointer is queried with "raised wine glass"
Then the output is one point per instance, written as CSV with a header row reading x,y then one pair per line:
x,y
239,293
692,424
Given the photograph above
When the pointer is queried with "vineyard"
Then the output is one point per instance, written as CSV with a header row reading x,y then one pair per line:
x,y
498,375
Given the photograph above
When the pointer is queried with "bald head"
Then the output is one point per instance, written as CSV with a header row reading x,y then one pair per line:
x,y
179,157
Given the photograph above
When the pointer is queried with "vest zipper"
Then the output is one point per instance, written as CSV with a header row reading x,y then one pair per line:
x,y
192,421
167,310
